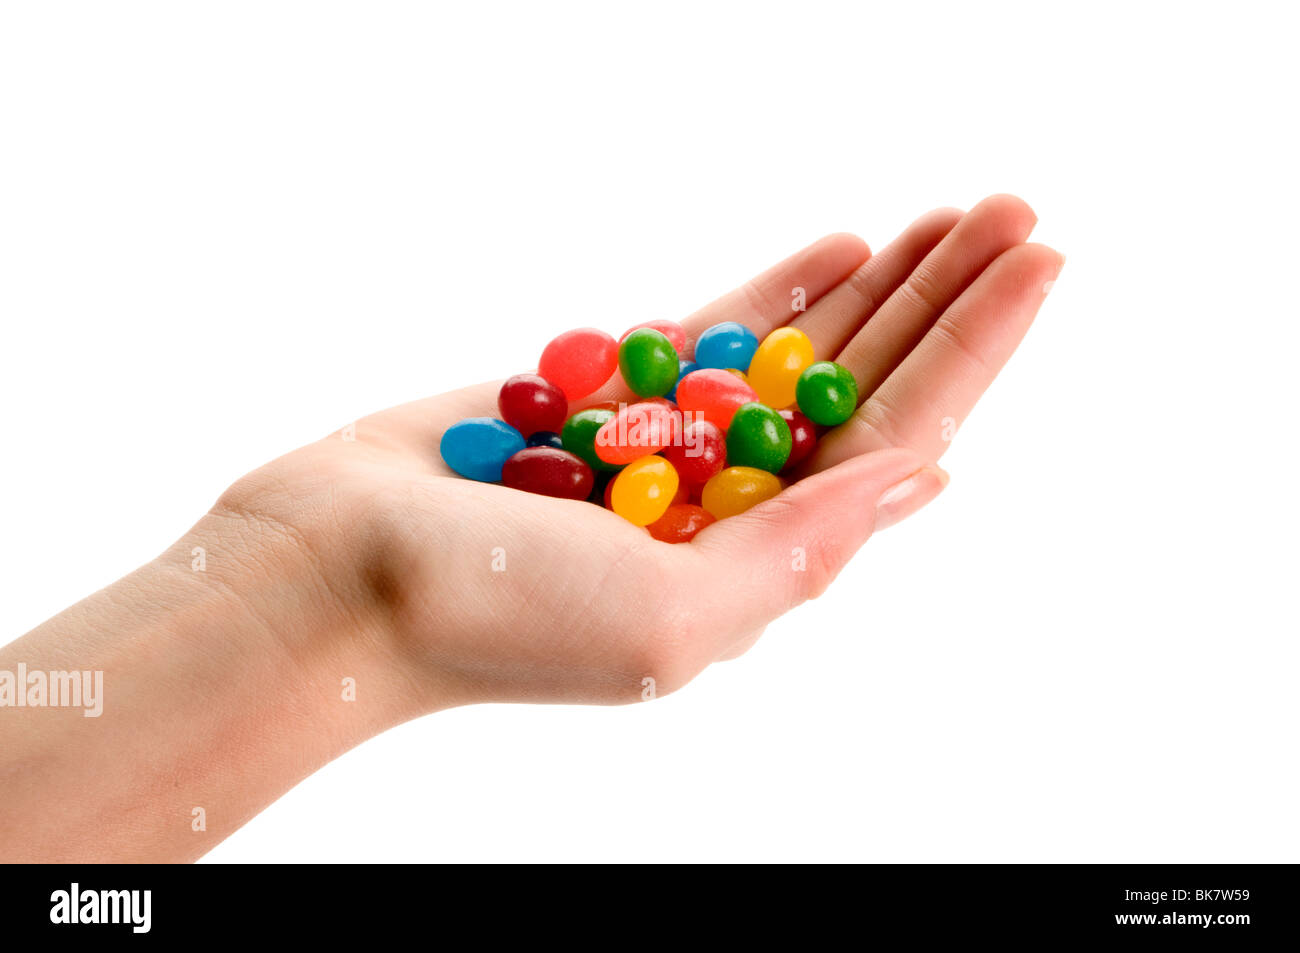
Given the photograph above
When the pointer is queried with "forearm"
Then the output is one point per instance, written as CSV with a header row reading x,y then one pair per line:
x,y
223,685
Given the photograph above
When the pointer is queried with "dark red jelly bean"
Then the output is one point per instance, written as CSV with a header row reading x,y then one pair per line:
x,y
698,453
530,403
803,438
549,472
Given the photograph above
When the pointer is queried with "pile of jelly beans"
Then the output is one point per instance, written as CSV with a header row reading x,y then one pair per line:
x,y
709,437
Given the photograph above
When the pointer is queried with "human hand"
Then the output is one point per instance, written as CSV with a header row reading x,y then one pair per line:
x,y
483,593
351,585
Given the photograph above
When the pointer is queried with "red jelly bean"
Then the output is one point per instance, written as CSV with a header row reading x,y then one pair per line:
x,y
713,393
683,494
530,403
579,362
673,331
803,438
699,453
680,523
549,472
637,430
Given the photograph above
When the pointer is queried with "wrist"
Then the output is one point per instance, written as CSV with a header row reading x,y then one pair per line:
x,y
310,616
230,669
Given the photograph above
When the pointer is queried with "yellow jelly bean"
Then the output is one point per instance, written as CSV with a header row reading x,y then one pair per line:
x,y
777,364
739,373
736,489
643,490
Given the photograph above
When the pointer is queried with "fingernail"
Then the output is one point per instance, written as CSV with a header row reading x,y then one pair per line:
x,y
1048,285
907,496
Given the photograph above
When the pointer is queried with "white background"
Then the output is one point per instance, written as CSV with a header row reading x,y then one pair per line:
x,y
228,229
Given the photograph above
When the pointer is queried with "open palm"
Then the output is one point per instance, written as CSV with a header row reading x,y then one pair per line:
x,y
491,594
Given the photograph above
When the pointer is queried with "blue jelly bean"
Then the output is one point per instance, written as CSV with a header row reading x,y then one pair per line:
x,y
546,438
683,368
725,346
477,447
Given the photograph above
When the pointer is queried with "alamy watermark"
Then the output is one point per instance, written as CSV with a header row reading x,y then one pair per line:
x,y
653,424
38,689
78,905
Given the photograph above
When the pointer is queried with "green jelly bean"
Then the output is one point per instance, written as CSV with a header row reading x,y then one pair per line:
x,y
579,436
758,437
826,393
649,362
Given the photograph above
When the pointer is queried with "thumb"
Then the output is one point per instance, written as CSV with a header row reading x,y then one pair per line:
x,y
788,549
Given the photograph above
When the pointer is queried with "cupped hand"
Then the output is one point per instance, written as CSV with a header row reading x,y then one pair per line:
x,y
485,593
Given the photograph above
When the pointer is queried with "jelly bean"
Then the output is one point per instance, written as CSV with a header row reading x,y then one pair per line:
x,y
740,375
713,394
758,437
638,430
777,364
476,447
644,490
545,438
726,345
530,403
579,435
827,393
579,362
683,494
680,523
736,489
549,472
803,437
683,368
648,362
673,331
700,452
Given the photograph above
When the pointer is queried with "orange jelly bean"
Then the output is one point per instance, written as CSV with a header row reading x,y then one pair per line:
x,y
736,489
644,490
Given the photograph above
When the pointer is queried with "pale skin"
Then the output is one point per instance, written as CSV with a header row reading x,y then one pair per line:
x,y
367,559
